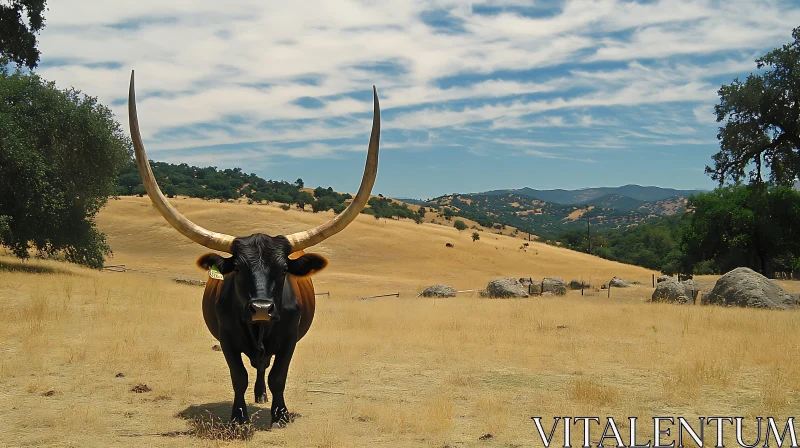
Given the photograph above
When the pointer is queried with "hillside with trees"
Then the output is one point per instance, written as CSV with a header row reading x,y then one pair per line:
x,y
549,219
231,184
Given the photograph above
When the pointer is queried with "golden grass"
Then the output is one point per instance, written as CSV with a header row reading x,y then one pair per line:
x,y
406,371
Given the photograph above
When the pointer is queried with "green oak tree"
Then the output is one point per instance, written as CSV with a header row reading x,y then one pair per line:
x,y
303,198
60,156
751,225
762,120
20,21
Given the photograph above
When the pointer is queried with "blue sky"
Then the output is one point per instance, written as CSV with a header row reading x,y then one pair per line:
x,y
475,95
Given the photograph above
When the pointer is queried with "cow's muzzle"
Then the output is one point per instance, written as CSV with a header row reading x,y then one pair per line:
x,y
263,311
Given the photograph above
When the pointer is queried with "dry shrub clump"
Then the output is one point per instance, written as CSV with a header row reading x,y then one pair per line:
x,y
211,427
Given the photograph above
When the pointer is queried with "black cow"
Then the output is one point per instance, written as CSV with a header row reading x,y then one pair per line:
x,y
260,300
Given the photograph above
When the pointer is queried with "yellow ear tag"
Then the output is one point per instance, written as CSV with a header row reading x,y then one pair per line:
x,y
214,273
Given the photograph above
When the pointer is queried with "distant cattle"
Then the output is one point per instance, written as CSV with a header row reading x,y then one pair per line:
x,y
449,245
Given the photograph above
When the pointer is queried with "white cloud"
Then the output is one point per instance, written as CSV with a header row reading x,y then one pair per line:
x,y
197,62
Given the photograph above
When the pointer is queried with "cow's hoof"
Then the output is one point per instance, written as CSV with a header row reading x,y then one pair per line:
x,y
239,416
261,398
281,417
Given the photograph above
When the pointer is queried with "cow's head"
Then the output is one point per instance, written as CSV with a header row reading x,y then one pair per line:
x,y
258,266
259,263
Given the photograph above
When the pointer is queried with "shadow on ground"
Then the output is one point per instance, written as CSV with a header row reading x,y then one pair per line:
x,y
221,412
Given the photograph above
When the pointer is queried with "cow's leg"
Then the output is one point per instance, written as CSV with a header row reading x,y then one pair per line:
x,y
260,388
277,384
239,380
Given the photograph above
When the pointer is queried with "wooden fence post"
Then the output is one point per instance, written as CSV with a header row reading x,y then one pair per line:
x,y
397,294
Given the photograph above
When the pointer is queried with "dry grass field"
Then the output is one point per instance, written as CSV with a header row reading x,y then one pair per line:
x,y
395,372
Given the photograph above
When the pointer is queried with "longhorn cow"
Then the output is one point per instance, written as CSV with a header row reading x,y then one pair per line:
x,y
263,304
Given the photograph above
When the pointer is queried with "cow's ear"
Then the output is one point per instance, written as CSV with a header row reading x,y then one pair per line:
x,y
224,265
307,264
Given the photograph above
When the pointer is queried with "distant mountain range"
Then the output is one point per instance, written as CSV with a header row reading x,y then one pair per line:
x,y
547,212
585,195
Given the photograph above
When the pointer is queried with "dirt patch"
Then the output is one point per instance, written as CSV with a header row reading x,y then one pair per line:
x,y
141,388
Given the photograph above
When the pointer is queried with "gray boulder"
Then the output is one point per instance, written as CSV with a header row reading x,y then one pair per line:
x,y
554,285
692,289
663,278
747,288
618,282
576,284
528,284
795,299
691,285
505,287
439,291
672,291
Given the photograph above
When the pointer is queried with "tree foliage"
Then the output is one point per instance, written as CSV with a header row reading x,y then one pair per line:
x,y
207,183
60,154
302,199
381,207
460,224
655,245
751,225
745,225
763,120
20,21
228,184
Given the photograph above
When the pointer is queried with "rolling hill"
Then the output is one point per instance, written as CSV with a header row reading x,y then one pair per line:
x,y
616,201
370,256
548,218
540,212
586,195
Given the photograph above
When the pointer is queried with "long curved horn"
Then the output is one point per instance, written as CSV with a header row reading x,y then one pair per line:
x,y
209,239
308,238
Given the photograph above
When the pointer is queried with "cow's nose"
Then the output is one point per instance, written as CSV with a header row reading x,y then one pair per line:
x,y
262,310
260,307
